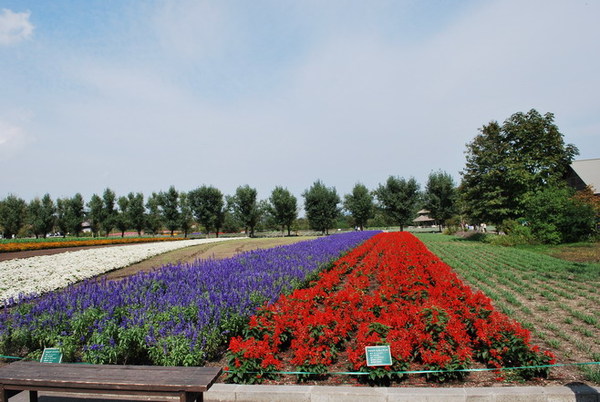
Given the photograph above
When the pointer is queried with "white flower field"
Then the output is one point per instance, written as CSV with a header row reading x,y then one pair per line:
x,y
37,275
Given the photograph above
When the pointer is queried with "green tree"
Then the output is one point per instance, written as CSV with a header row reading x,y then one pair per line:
x,y
122,216
360,204
34,217
185,213
154,218
74,214
245,208
109,212
398,199
440,197
13,215
62,207
555,215
169,205
95,213
136,212
283,208
42,215
321,206
207,206
506,163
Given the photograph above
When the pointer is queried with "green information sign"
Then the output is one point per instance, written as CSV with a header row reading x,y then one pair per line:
x,y
51,355
378,355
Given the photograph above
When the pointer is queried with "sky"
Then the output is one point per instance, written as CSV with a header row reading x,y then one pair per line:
x,y
138,96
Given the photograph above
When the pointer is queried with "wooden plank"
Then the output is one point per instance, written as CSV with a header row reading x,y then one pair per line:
x,y
151,378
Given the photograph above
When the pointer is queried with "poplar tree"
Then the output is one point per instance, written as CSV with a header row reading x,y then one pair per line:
x,y
283,208
321,206
245,208
360,204
398,199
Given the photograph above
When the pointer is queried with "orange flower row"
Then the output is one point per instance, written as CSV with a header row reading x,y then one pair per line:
x,y
41,245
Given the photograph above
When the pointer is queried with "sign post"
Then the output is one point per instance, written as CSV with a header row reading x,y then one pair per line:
x,y
378,355
51,355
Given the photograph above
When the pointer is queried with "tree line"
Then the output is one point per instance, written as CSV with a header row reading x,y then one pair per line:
x,y
207,209
514,179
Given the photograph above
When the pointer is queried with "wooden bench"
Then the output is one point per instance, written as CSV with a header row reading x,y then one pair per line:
x,y
188,383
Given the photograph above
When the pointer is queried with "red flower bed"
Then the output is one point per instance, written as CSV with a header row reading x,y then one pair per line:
x,y
389,291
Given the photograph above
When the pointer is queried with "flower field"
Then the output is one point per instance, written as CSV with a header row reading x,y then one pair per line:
x,y
41,274
26,245
177,315
389,291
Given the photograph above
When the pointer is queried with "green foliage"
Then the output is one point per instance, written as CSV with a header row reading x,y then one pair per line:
x,y
169,205
555,216
108,215
283,208
185,213
321,206
440,197
245,208
122,215
516,233
398,199
360,205
153,218
383,376
95,213
506,163
136,211
207,206
13,215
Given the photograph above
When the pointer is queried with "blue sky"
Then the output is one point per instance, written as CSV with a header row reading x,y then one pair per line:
x,y
142,95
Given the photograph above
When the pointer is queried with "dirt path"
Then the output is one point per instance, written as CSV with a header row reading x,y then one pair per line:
x,y
216,250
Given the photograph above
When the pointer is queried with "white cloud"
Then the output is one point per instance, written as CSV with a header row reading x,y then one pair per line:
x,y
13,138
14,27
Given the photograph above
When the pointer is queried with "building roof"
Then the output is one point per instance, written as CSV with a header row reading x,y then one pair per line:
x,y
423,218
588,171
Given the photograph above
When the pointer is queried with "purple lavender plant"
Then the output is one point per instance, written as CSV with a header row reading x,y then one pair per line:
x,y
177,315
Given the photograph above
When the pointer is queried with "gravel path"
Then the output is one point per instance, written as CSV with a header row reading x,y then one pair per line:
x,y
40,274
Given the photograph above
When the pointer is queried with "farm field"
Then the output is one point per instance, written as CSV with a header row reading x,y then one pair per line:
x,y
556,299
389,291
540,319
37,275
180,314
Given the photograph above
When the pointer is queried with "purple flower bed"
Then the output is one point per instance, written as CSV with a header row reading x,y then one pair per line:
x,y
177,315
